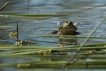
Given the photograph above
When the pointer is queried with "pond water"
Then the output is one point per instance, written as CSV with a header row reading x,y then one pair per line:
x,y
29,28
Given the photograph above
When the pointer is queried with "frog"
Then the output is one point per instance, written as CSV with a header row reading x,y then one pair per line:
x,y
68,28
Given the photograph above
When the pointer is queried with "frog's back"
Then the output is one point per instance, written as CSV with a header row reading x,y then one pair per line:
x,y
68,30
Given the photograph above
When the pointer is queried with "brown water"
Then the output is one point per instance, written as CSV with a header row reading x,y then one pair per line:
x,y
28,28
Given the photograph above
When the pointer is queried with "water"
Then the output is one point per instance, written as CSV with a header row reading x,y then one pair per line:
x,y
28,28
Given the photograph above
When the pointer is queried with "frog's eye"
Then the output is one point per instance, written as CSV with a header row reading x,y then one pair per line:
x,y
76,24
59,24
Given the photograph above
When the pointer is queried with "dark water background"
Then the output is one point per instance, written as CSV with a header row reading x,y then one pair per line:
x,y
28,28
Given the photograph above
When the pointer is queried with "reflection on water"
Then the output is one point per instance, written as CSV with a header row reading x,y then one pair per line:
x,y
28,28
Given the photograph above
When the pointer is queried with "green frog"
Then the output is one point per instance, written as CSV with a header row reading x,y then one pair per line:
x,y
67,28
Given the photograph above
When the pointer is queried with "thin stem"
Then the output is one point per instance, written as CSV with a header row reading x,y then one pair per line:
x,y
3,6
17,33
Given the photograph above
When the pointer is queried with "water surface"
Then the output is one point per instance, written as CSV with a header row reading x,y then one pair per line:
x,y
29,27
